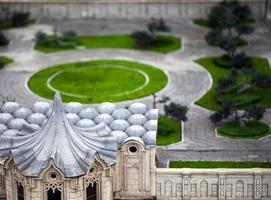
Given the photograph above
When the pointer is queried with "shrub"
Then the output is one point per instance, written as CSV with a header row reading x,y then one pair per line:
x,y
3,39
176,111
214,37
241,60
41,37
262,80
20,19
143,39
255,113
69,35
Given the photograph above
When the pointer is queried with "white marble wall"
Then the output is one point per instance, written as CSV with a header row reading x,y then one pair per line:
x,y
189,9
202,184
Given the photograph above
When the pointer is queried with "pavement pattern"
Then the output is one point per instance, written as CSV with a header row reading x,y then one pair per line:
x,y
188,81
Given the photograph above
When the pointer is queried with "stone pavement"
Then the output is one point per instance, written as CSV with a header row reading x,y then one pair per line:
x,y
188,81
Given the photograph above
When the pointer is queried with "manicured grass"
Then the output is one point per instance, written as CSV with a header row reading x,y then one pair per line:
x,y
5,60
164,44
251,130
209,101
99,81
218,164
203,23
169,131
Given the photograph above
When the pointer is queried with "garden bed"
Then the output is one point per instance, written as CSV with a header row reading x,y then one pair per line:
x,y
164,43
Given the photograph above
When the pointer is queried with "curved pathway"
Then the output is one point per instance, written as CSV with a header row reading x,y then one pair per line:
x,y
188,81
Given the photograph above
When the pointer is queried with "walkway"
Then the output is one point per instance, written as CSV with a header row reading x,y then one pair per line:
x,y
188,81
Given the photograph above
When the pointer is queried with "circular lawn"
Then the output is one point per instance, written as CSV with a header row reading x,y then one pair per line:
x,y
250,130
98,81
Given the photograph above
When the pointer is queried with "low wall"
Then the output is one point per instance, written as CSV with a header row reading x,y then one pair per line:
x,y
121,9
203,184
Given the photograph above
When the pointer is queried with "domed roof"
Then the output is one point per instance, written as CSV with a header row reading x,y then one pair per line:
x,y
10,107
120,135
41,107
16,123
151,125
73,150
88,113
22,112
119,125
3,128
152,114
5,118
73,118
135,131
105,118
73,107
106,108
138,108
121,113
36,118
137,119
85,123
149,138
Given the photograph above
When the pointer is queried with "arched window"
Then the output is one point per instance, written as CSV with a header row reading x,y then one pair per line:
x,y
240,189
20,191
92,191
204,188
53,194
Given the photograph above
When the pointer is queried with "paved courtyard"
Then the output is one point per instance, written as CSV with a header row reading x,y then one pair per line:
x,y
188,81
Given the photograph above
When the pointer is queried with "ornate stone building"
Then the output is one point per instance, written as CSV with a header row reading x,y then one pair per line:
x,y
73,152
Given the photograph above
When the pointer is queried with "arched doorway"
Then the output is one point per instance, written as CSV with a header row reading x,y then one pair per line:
x,y
20,191
53,194
91,191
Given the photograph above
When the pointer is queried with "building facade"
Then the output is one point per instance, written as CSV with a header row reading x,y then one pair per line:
x,y
77,9
73,152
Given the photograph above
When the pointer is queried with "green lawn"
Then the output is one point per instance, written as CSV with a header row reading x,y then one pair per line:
x,y
218,164
99,81
5,60
251,130
261,65
169,131
164,44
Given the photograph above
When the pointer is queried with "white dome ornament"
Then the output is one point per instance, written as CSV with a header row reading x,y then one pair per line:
x,y
85,123
88,113
5,118
138,108
106,118
137,119
41,107
121,113
22,112
10,107
36,118
73,107
119,125
106,108
135,131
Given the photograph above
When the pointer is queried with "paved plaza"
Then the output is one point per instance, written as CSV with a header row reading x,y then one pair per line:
x,y
188,81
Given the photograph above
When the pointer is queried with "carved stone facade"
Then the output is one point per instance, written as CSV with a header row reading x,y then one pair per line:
x,y
59,9
52,180
202,184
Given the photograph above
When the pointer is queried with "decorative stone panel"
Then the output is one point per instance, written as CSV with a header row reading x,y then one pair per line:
x,y
213,184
